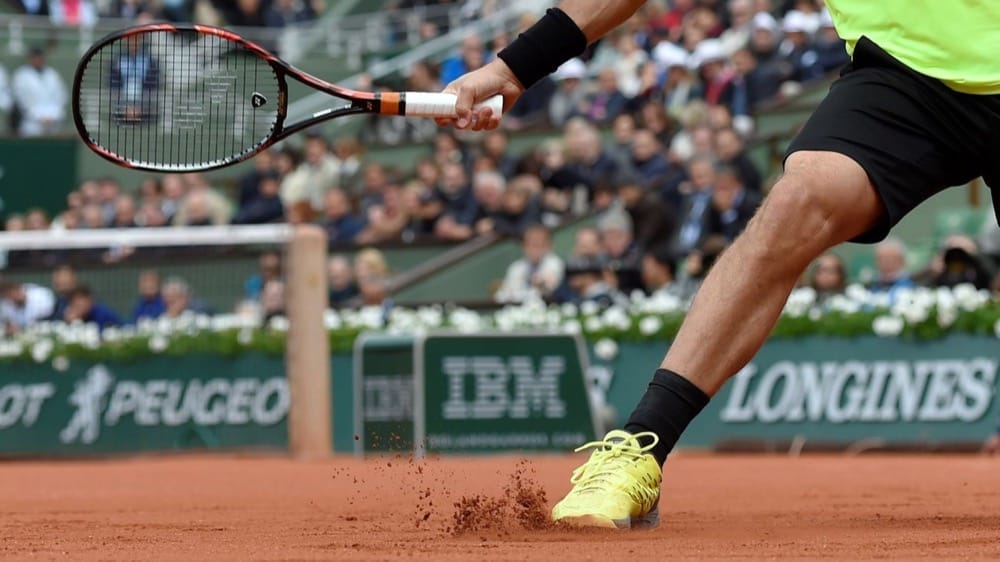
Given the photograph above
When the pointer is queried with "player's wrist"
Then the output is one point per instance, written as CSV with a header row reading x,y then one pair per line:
x,y
543,47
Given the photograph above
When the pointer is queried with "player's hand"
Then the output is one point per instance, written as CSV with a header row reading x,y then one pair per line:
x,y
477,86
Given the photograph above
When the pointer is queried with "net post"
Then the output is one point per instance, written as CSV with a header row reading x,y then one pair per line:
x,y
307,349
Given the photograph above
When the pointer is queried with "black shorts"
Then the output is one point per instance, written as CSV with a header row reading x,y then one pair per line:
x,y
913,135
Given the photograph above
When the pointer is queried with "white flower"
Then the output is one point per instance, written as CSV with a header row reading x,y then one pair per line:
x,y
430,317
60,363
279,324
573,326
967,296
800,301
843,304
589,308
91,337
858,293
244,336
11,348
815,313
569,310
616,317
41,350
371,317
111,334
593,324
332,320
606,349
915,313
158,343
946,316
886,326
650,325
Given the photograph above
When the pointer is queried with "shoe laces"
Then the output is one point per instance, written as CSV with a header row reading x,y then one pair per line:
x,y
617,450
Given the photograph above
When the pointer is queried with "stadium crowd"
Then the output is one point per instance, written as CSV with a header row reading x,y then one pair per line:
x,y
648,129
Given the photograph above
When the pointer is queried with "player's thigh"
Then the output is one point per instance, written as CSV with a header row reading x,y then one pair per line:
x,y
889,123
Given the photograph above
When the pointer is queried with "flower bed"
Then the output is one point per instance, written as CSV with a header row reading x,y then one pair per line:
x,y
920,313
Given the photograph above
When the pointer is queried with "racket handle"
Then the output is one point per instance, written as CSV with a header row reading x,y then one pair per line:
x,y
426,104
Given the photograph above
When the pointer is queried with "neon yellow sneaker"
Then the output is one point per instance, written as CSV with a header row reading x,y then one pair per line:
x,y
618,487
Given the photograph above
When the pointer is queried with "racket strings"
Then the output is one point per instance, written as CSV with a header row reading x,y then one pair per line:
x,y
178,100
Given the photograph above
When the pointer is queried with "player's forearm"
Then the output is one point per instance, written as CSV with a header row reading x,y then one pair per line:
x,y
597,17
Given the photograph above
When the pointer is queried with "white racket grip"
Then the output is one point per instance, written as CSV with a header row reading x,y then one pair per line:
x,y
426,104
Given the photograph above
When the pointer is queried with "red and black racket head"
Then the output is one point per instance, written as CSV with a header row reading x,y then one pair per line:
x,y
178,98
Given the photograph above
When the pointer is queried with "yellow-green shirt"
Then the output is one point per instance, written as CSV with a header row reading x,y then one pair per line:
x,y
955,41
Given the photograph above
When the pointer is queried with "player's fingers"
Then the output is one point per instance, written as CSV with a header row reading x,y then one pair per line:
x,y
444,121
483,115
463,105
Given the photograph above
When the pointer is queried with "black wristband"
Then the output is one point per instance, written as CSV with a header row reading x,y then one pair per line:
x,y
541,49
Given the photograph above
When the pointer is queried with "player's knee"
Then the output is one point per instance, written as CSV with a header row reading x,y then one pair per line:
x,y
796,219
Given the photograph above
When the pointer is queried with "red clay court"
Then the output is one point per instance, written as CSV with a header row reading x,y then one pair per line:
x,y
714,506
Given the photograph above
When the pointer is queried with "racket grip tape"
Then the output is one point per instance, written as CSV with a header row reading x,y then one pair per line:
x,y
427,104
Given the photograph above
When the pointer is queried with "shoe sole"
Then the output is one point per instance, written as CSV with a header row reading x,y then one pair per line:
x,y
650,520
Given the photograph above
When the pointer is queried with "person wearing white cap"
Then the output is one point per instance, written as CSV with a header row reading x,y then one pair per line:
x,y
737,35
797,48
570,91
829,46
916,111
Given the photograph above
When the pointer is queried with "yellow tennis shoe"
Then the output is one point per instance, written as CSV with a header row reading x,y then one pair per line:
x,y
618,487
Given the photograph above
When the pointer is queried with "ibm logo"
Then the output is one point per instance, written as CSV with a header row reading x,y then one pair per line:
x,y
510,387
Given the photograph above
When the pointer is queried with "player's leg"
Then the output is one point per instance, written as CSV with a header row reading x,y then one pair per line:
x,y
824,198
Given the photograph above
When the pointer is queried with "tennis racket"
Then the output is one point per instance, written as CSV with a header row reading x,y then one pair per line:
x,y
176,98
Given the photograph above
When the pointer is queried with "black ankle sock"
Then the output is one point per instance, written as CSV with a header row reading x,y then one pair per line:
x,y
667,407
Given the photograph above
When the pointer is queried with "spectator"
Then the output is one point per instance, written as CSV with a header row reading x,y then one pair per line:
x,y
422,210
650,166
341,280
272,299
134,79
959,262
730,149
828,276
83,308
374,180
832,55
620,149
174,190
178,299
73,13
586,281
23,304
607,102
622,253
266,207
622,54
495,145
202,206
737,35
150,303
488,189
36,219
347,155
460,207
385,220
92,216
150,215
39,97
588,243
341,224
537,274
268,269
697,264
245,13
659,270
797,50
585,153
64,281
247,184
124,212
892,275
470,58
372,274
732,204
570,92
716,76
304,187
283,13
520,207
653,221
697,201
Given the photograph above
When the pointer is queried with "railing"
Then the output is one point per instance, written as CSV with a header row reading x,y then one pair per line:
x,y
334,36
505,19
